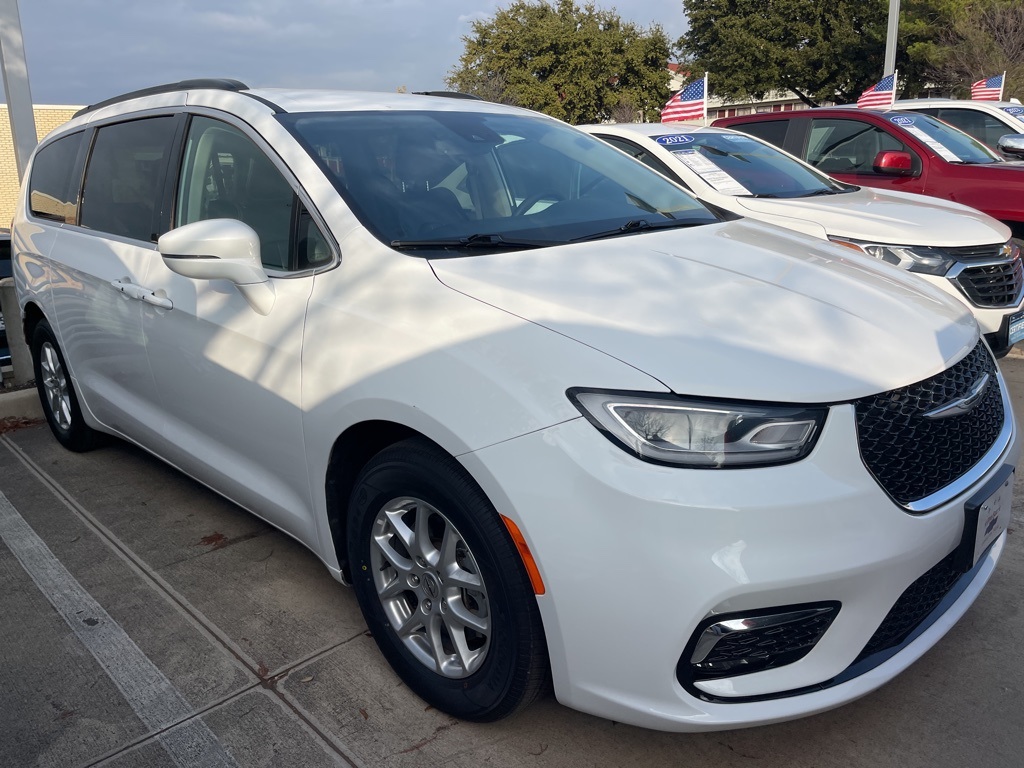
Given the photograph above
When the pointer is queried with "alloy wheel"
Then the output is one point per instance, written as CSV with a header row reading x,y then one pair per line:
x,y
430,587
55,385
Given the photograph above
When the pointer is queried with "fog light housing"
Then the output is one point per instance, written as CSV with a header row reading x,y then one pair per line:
x,y
744,642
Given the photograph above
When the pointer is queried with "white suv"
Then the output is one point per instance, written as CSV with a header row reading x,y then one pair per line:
x,y
549,415
961,250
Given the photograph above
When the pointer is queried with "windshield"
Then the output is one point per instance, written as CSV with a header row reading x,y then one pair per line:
x,y
486,180
735,164
1017,113
946,141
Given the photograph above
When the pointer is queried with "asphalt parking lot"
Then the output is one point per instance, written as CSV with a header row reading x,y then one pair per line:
x,y
148,622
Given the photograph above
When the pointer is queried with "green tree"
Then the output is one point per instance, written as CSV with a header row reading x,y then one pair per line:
x,y
579,64
821,50
979,38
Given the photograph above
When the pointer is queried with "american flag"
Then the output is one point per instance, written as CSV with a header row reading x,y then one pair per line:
x,y
689,104
881,94
990,89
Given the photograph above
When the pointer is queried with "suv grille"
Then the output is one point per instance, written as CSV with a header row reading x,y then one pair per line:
x,y
968,252
914,605
994,285
912,457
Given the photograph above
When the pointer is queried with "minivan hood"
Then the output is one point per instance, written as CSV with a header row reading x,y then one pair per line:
x,y
887,217
731,310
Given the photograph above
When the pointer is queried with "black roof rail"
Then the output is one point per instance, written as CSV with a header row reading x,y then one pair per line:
x,y
449,95
211,83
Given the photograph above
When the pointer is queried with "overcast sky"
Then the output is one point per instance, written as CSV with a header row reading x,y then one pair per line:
x,y
83,51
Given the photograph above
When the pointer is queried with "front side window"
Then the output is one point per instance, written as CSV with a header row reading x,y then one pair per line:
x,y
124,179
438,179
53,194
982,126
848,146
772,131
226,176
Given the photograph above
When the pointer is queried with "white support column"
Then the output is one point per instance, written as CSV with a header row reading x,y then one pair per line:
x,y
16,88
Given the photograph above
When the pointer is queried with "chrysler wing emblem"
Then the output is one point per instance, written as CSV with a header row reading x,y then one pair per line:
x,y
964,404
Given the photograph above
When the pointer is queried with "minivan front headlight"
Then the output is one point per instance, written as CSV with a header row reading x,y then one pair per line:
x,y
914,258
698,433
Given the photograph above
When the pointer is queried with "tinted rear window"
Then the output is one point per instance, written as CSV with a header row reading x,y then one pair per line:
x,y
124,181
772,131
52,194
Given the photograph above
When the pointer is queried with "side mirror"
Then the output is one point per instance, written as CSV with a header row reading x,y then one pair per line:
x,y
220,249
1012,144
893,163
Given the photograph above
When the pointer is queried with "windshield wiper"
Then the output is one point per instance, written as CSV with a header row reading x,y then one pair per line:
x,y
471,241
819,192
640,225
760,195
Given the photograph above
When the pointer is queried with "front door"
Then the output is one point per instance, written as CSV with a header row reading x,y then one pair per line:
x,y
228,375
847,148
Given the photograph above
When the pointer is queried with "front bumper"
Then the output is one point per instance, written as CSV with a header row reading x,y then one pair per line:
x,y
999,340
634,556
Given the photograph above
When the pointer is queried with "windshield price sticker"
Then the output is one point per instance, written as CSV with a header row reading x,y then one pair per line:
x,y
674,139
1018,111
940,149
710,173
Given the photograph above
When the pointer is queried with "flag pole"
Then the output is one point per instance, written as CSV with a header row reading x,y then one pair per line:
x,y
706,95
1002,85
892,97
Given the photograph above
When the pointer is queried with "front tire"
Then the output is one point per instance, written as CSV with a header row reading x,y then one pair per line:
x,y
442,587
57,393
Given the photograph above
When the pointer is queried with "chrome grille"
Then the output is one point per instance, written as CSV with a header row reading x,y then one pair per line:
x,y
913,457
975,252
992,285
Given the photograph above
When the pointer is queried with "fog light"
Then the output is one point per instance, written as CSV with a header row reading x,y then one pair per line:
x,y
742,643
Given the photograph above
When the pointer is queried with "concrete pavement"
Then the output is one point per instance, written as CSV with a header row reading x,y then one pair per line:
x,y
148,622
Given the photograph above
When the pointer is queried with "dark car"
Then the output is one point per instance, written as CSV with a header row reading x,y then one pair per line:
x,y
5,271
901,151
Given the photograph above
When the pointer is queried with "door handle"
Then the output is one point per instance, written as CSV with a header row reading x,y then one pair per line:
x,y
157,301
138,292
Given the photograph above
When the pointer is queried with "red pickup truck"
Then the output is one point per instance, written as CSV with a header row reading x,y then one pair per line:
x,y
901,151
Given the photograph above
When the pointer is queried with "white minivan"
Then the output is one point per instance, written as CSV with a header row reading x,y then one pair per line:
x,y
555,421
963,251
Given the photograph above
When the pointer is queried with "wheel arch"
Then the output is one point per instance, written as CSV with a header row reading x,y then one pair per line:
x,y
350,453
32,315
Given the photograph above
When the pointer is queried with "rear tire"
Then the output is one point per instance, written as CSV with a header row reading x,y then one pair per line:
x,y
442,586
57,393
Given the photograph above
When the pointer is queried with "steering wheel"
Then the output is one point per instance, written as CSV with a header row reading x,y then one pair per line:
x,y
535,198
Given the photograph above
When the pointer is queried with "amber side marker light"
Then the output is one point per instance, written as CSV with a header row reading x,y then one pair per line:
x,y
856,248
524,552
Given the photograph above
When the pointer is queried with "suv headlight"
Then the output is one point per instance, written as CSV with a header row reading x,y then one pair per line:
x,y
698,433
915,258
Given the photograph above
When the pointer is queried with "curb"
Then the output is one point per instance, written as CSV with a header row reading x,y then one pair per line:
x,y
20,404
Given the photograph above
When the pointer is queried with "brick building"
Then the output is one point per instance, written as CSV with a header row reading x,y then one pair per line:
x,y
47,118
